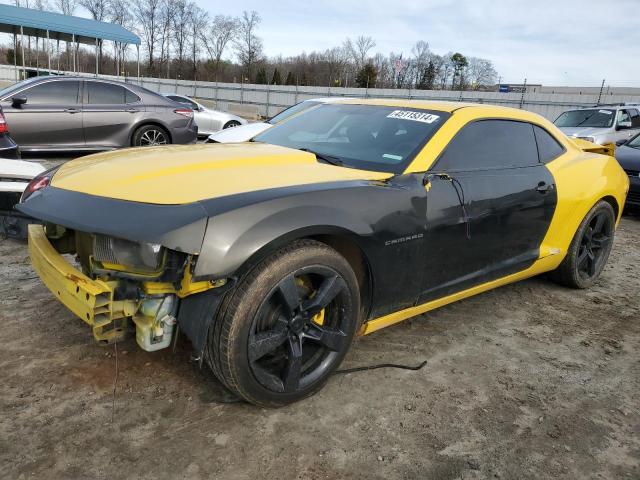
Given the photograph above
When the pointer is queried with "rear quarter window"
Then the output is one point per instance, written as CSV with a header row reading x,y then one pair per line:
x,y
548,147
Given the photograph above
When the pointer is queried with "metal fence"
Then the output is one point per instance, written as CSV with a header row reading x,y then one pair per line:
x,y
270,99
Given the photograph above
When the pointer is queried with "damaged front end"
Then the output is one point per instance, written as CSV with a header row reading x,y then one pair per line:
x,y
109,281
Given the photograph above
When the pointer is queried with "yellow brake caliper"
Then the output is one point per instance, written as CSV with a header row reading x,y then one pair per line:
x,y
318,318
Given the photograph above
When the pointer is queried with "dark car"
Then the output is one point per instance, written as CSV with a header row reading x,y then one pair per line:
x,y
76,113
8,147
628,155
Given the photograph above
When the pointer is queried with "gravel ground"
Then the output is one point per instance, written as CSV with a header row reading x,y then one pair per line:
x,y
529,381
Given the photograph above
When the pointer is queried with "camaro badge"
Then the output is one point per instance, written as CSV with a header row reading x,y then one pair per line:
x,y
403,239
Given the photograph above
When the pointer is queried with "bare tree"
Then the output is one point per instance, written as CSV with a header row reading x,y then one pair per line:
x,y
98,9
67,7
118,12
359,49
336,59
248,44
41,5
180,27
147,14
421,58
480,72
198,23
166,33
221,31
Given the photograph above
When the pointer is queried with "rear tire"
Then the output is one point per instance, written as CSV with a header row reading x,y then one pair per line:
x,y
150,136
287,325
589,249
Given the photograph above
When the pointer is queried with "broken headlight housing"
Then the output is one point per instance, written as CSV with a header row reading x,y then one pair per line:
x,y
121,254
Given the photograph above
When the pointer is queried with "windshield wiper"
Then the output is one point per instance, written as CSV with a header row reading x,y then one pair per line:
x,y
324,157
580,123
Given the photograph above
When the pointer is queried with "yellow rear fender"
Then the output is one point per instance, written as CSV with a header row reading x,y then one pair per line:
x,y
582,181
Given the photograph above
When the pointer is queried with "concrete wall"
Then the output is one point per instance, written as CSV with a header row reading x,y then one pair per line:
x,y
268,100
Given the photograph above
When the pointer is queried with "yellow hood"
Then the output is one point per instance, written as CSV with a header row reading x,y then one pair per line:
x,y
183,174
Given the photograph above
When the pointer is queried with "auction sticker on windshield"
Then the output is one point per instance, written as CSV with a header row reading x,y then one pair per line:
x,y
415,116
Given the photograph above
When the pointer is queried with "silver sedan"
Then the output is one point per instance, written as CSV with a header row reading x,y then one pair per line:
x,y
208,120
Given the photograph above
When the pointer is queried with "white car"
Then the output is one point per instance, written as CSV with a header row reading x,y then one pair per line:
x,y
603,124
250,130
15,175
207,119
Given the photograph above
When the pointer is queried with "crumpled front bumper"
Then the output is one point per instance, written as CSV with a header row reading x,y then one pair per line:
x,y
91,300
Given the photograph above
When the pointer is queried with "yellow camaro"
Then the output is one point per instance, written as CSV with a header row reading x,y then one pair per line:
x,y
347,218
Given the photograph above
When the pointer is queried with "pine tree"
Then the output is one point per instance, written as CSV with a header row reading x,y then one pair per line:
x,y
367,76
428,77
276,79
261,76
291,79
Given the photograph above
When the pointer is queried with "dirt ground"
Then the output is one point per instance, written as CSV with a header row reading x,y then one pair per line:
x,y
529,381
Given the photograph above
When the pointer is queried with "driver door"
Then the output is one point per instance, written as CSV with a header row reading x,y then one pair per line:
x,y
489,206
627,124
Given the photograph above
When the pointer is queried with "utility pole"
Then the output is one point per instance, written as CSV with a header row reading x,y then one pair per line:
x,y
524,89
600,94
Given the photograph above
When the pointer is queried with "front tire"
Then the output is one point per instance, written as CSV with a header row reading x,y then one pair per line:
x,y
287,325
231,124
589,249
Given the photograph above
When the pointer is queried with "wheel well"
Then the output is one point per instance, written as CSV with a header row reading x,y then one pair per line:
x,y
352,252
614,204
342,243
230,121
147,124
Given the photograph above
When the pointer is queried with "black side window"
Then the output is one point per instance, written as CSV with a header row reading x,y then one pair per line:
x,y
548,147
130,97
105,93
184,101
635,118
64,92
491,144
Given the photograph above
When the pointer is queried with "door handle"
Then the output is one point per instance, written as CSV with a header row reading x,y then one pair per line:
x,y
132,110
544,187
72,110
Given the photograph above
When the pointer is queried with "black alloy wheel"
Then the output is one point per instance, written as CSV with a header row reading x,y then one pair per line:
x,y
595,245
589,250
286,326
299,329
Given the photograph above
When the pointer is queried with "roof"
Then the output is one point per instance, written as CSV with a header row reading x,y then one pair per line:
x,y
400,102
61,27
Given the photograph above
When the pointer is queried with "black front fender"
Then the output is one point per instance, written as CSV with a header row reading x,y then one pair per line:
x,y
235,237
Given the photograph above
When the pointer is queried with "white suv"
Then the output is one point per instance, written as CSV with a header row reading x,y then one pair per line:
x,y
603,124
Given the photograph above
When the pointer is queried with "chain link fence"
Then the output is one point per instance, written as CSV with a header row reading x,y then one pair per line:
x,y
252,100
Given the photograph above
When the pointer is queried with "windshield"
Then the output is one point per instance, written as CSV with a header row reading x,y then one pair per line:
x,y
602,118
5,92
368,137
634,142
297,108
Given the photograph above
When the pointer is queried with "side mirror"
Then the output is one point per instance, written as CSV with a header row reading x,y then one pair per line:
x,y
17,101
621,142
623,125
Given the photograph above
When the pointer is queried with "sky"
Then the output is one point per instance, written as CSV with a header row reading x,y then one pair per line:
x,y
561,42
